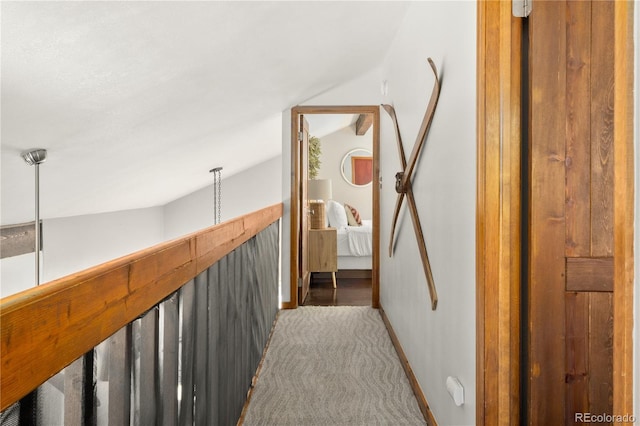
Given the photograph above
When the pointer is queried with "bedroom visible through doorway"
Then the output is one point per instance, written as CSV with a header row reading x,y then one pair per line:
x,y
335,212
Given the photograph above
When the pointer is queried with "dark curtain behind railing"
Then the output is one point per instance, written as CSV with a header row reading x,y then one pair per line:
x,y
188,361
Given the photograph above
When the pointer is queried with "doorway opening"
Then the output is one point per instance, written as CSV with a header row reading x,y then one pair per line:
x,y
349,139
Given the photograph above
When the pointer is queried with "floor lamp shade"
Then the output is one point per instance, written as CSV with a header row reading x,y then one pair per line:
x,y
319,190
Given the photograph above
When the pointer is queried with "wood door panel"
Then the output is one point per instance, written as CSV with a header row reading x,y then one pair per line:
x,y
589,348
578,136
571,276
304,275
601,352
587,208
590,274
547,215
602,21
589,128
577,360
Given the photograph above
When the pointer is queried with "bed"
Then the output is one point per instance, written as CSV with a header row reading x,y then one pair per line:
x,y
354,241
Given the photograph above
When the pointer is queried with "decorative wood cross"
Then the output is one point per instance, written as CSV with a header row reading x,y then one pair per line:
x,y
403,181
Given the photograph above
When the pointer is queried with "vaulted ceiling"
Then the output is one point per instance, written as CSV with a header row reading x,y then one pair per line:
x,y
136,101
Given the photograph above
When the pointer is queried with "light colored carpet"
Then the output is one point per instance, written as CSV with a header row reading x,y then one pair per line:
x,y
332,366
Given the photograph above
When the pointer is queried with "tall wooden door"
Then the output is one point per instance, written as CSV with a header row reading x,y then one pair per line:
x,y
303,146
570,259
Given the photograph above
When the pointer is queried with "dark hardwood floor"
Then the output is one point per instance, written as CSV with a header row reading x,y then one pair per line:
x,y
350,292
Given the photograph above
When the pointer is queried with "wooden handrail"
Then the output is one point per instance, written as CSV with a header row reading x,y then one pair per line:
x,y
46,328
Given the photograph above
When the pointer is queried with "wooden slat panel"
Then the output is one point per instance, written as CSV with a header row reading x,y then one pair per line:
x,y
74,392
245,369
578,134
240,315
224,311
229,324
601,353
120,377
547,222
602,128
214,365
589,354
201,349
64,319
251,311
187,296
577,361
148,373
590,274
169,390
239,302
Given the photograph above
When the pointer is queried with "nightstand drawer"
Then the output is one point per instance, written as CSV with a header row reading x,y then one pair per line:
x,y
323,250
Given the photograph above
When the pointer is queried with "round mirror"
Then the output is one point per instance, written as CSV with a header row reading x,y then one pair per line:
x,y
357,167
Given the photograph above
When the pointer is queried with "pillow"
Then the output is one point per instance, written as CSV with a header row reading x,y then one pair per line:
x,y
353,217
326,217
336,214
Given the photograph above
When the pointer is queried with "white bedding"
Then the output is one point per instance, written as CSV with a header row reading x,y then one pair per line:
x,y
355,240
354,262
355,246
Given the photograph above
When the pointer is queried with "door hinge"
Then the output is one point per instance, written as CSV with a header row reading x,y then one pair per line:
x,y
300,136
521,8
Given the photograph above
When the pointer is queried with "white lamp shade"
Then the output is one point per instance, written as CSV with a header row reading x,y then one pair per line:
x,y
319,189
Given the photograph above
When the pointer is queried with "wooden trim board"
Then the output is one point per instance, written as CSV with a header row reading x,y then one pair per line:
x,y
623,226
498,236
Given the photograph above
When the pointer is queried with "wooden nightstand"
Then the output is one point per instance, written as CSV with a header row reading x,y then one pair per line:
x,y
323,251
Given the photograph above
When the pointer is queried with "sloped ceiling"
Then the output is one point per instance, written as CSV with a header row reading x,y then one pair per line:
x,y
136,101
321,125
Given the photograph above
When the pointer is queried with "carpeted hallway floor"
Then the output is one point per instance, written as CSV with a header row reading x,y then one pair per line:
x,y
331,366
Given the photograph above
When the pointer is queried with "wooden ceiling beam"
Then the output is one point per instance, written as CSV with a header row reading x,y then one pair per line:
x,y
363,124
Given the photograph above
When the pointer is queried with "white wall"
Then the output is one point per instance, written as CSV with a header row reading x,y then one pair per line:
x,y
75,243
252,189
334,147
438,343
442,342
189,213
244,192
17,273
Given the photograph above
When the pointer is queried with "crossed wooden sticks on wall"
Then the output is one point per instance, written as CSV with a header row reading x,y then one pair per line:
x,y
403,181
